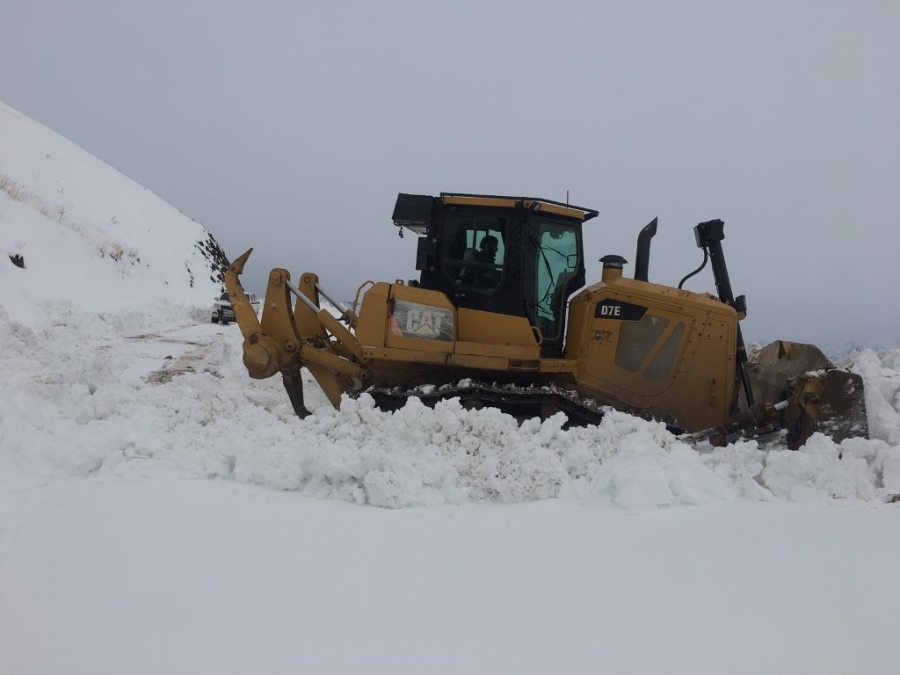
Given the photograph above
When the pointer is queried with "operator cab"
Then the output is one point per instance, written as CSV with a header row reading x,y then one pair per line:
x,y
508,255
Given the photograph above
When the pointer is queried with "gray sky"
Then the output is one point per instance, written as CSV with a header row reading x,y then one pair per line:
x,y
292,126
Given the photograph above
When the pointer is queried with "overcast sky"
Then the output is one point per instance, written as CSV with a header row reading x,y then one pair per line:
x,y
291,127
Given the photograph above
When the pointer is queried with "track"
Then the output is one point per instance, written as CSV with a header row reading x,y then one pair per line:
x,y
521,402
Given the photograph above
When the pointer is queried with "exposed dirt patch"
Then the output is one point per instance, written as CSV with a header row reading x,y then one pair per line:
x,y
188,362
185,364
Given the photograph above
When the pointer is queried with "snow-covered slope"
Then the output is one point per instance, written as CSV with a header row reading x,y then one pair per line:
x,y
87,234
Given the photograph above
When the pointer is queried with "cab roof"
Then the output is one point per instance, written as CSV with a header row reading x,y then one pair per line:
x,y
414,211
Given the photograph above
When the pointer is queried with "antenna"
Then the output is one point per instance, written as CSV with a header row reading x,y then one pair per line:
x,y
567,197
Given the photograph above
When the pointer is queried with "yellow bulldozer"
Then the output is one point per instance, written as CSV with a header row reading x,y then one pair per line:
x,y
500,316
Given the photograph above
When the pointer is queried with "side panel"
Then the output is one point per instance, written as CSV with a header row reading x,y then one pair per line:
x,y
406,327
643,347
495,329
701,398
373,315
405,317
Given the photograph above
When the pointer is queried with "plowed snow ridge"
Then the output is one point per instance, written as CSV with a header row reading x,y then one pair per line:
x,y
125,395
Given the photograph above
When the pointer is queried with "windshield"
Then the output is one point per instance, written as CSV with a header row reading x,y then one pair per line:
x,y
557,261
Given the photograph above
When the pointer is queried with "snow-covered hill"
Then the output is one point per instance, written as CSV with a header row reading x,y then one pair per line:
x,y
161,512
73,228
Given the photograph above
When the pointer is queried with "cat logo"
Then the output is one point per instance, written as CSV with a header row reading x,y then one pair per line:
x,y
416,320
424,323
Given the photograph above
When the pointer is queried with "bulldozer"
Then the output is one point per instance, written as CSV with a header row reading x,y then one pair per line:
x,y
501,316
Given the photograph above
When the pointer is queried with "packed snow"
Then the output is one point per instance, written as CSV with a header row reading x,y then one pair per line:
x,y
162,512
166,389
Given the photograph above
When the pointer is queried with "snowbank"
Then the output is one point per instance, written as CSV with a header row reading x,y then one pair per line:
x,y
881,373
121,395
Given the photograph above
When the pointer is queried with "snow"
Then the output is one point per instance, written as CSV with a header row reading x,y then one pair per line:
x,y
87,233
161,512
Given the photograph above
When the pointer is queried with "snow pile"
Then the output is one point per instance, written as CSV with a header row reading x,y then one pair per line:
x,y
881,373
74,228
131,395
643,474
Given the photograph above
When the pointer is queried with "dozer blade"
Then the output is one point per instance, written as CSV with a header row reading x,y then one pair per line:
x,y
824,398
842,409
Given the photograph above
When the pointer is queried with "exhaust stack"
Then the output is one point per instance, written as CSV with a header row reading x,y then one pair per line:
x,y
642,257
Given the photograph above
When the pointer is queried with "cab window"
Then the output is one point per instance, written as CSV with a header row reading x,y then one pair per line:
x,y
475,252
557,262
